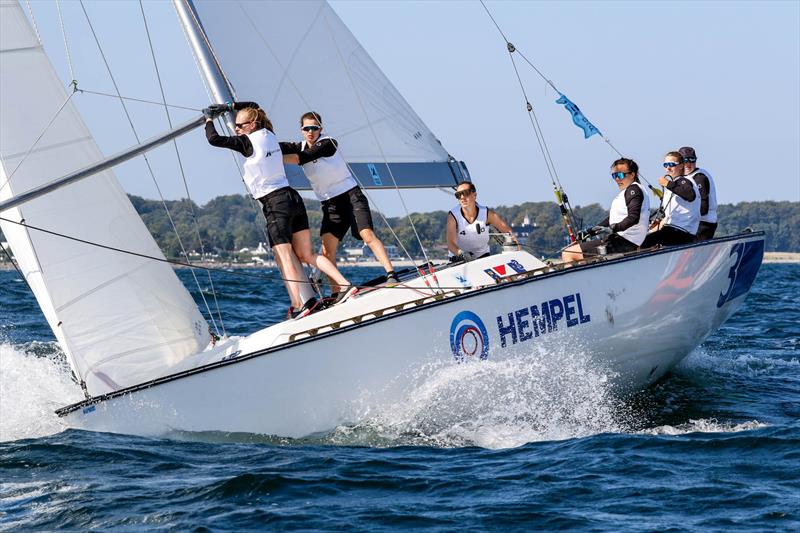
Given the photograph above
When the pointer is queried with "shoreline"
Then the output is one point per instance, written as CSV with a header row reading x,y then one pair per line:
x,y
769,257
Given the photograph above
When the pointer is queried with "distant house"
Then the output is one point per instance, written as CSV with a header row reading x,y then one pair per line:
x,y
260,250
354,254
525,229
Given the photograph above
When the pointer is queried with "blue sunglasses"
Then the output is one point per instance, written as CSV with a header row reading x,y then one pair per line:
x,y
670,164
619,176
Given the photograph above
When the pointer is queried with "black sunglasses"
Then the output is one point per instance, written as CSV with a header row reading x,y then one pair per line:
x,y
243,124
461,194
311,128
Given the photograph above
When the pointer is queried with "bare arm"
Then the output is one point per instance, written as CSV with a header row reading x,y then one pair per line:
x,y
495,220
452,229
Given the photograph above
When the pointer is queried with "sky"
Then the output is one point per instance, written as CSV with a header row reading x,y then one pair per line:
x,y
723,77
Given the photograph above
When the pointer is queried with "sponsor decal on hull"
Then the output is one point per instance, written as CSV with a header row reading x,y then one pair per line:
x,y
470,338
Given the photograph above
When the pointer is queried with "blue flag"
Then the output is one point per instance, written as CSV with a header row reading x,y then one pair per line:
x,y
577,117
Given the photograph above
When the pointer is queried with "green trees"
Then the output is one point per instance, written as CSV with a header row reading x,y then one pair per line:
x,y
233,222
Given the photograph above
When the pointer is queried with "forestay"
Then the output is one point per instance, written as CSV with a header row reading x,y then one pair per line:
x,y
120,319
293,57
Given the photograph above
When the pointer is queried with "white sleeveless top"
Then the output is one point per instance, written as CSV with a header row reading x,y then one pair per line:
x,y
472,238
619,210
680,213
329,176
711,216
263,171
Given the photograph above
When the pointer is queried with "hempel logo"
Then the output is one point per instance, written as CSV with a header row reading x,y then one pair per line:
x,y
469,337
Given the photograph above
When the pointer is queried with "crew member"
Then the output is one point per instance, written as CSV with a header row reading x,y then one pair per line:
x,y
627,221
680,206
264,175
468,225
344,206
708,194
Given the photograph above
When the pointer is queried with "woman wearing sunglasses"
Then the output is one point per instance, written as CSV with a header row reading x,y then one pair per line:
x,y
626,224
680,205
468,225
287,221
344,206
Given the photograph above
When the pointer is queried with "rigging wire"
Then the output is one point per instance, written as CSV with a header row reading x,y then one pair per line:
x,y
144,156
36,141
194,266
132,99
379,145
567,215
66,43
180,166
549,82
253,203
306,102
33,20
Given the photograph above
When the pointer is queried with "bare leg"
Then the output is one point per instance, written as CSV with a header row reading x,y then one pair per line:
x,y
375,244
573,253
287,262
329,245
301,242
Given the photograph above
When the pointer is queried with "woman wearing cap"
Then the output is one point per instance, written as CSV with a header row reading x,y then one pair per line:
x,y
264,175
626,224
344,206
708,194
680,205
468,225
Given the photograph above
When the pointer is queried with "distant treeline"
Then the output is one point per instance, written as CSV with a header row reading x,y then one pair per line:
x,y
233,222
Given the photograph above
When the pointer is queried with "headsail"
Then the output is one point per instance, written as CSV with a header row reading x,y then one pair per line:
x,y
120,319
293,57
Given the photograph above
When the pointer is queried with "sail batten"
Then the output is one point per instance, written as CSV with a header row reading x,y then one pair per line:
x,y
120,319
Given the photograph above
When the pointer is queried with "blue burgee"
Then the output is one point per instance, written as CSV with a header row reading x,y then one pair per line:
x,y
577,117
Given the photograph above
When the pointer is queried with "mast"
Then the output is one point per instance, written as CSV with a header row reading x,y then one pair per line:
x,y
221,91
211,70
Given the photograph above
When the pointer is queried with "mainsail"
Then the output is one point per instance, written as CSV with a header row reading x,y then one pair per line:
x,y
294,57
120,319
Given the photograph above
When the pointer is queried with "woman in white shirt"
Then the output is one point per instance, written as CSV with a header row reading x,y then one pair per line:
x,y
467,225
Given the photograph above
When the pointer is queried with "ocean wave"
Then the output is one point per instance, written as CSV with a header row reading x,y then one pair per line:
x,y
34,381
495,404
710,425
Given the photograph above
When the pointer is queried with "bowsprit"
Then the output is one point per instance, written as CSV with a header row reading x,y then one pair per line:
x,y
537,320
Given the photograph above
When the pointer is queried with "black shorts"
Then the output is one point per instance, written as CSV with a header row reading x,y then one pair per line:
x,y
668,236
285,213
349,210
614,245
706,231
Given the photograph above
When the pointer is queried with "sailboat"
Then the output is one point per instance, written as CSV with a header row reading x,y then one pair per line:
x,y
144,354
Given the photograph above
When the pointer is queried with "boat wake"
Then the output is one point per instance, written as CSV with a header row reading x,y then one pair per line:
x,y
34,381
491,404
496,404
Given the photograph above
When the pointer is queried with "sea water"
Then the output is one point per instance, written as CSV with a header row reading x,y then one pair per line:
x,y
533,443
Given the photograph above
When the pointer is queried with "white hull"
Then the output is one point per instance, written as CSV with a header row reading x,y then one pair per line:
x,y
635,317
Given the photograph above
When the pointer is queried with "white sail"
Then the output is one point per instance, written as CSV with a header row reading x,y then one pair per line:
x,y
121,319
292,57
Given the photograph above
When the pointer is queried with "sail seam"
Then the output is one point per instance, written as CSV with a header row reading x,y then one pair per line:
x,y
126,353
100,287
21,49
46,148
380,147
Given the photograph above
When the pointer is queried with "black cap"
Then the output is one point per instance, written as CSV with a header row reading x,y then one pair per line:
x,y
687,152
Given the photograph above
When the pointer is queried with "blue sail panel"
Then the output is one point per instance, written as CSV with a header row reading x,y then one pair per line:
x,y
384,176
